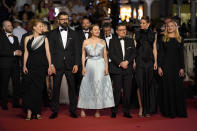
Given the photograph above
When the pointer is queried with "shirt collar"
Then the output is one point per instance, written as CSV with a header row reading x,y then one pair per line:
x,y
8,34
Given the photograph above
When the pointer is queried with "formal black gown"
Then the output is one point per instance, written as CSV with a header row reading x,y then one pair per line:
x,y
35,79
171,60
144,66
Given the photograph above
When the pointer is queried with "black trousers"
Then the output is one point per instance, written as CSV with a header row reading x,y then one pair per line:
x,y
56,89
5,75
78,78
122,82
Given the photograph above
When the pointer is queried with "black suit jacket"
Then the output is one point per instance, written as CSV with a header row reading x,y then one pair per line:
x,y
81,39
103,37
116,56
64,58
7,58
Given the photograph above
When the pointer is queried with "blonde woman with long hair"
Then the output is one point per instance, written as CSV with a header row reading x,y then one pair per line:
x,y
171,70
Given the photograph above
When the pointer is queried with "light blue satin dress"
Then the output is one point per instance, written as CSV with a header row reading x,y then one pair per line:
x,y
96,88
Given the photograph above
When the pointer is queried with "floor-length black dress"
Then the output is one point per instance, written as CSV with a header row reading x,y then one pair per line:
x,y
144,66
35,79
171,60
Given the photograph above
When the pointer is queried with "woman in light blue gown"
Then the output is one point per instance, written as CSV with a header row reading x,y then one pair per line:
x,y
96,88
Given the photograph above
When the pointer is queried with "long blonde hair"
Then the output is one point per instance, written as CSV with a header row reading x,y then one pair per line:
x,y
166,37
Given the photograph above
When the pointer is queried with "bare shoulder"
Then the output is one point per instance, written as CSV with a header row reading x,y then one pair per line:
x,y
102,42
85,42
46,38
27,38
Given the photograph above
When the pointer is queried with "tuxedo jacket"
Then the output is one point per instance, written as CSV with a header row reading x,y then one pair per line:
x,y
64,57
81,37
116,55
103,37
7,58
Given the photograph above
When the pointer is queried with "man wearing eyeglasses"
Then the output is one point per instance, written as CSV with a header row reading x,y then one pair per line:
x,y
122,54
64,48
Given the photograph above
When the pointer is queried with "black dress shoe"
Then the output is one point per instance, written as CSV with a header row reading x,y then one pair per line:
x,y
127,115
113,115
4,107
53,116
73,115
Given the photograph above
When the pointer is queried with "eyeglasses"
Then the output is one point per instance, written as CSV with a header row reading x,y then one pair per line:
x,y
122,29
64,19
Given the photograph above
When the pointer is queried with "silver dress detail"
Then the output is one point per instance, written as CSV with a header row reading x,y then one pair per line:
x,y
96,88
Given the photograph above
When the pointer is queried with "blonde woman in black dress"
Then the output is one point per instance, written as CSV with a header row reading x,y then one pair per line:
x,y
171,70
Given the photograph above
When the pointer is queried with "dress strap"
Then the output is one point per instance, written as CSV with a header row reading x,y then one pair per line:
x,y
37,42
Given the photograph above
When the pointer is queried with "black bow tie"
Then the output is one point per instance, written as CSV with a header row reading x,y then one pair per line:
x,y
121,39
10,35
108,36
63,29
86,32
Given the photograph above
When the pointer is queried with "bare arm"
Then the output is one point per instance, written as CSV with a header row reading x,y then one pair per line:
x,y
105,54
83,54
5,5
48,54
26,53
155,51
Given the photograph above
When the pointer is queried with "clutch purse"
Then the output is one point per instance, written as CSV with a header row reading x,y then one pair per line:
x,y
49,83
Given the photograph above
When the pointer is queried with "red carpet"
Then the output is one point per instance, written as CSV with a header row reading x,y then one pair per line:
x,y
13,120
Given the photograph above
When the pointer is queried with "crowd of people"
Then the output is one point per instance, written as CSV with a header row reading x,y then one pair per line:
x,y
101,64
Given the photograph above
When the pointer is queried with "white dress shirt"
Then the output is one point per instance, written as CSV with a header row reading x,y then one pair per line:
x,y
122,42
86,34
107,39
11,39
64,35
19,32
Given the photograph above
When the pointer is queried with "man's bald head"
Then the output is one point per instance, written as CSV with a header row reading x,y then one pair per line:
x,y
7,26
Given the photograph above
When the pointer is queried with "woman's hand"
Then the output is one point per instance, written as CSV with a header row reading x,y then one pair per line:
x,y
181,73
83,71
25,70
160,72
106,71
134,65
50,71
155,66
53,69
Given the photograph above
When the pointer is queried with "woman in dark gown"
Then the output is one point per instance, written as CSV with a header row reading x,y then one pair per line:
x,y
36,56
146,62
171,70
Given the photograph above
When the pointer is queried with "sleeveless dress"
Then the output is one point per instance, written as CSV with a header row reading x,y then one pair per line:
x,y
34,81
144,67
96,88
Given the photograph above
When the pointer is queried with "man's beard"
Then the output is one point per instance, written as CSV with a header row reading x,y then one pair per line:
x,y
86,28
8,31
64,25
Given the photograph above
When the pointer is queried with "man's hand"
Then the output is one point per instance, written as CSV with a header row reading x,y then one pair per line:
x,y
17,53
160,71
75,69
181,73
124,64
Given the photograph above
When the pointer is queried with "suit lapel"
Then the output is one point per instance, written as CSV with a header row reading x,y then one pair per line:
x,y
68,38
8,41
83,35
119,48
59,37
106,44
126,46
